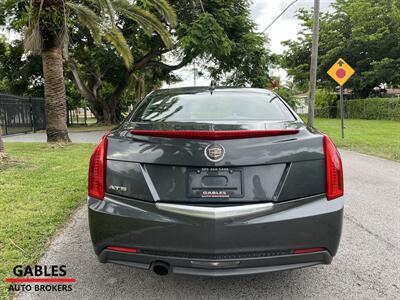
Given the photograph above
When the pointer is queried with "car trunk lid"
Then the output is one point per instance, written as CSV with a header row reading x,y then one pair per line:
x,y
176,169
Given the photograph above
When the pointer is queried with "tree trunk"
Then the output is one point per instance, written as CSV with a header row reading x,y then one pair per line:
x,y
97,110
110,114
105,113
54,92
2,152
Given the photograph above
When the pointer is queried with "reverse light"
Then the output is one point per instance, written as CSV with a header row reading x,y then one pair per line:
x,y
213,135
334,170
122,249
97,170
308,250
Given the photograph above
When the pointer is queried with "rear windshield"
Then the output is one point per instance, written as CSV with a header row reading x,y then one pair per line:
x,y
219,106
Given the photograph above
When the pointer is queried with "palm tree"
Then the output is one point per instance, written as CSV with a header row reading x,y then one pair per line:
x,y
46,34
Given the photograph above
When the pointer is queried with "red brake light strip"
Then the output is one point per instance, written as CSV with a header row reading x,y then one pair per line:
x,y
122,249
309,250
213,135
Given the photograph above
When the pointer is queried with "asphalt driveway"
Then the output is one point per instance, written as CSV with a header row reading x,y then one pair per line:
x,y
366,267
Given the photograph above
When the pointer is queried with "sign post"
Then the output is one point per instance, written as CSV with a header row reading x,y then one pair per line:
x,y
341,72
342,110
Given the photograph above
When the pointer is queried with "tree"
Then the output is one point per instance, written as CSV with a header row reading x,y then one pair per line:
x,y
287,91
222,38
47,24
19,76
366,33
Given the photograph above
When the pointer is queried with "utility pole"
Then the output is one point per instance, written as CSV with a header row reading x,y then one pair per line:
x,y
314,64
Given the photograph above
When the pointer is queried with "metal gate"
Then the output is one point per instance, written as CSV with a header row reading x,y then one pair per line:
x,y
21,114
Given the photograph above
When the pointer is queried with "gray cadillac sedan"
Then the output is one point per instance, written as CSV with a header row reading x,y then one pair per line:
x,y
215,182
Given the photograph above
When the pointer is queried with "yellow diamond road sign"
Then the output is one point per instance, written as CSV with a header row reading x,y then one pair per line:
x,y
341,71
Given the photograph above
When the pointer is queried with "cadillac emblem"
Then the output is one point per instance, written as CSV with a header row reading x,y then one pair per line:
x,y
214,153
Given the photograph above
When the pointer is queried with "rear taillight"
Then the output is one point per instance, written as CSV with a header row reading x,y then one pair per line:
x,y
97,170
334,170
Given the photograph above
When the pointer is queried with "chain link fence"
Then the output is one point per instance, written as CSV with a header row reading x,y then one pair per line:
x,y
21,114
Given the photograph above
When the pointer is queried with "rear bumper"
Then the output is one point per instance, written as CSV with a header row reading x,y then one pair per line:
x,y
207,267
220,245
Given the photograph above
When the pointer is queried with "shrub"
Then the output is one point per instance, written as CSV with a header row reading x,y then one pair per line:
x,y
325,104
372,109
288,96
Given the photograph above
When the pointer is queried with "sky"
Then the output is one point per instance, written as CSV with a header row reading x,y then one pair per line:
x,y
263,13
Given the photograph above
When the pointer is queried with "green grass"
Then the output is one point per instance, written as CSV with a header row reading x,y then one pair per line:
x,y
40,187
375,137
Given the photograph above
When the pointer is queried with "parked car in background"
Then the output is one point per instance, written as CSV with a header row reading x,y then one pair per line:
x,y
215,182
